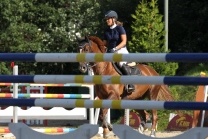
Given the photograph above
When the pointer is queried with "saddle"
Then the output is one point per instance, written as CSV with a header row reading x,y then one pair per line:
x,y
133,69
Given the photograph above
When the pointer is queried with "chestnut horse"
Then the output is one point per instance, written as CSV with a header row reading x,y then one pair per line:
x,y
116,91
197,114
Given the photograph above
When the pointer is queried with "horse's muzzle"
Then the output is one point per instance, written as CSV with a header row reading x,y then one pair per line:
x,y
83,67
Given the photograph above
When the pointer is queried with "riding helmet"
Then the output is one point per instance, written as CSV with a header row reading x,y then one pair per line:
x,y
110,14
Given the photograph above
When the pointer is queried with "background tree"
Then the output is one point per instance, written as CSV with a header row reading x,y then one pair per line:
x,y
148,34
45,26
188,29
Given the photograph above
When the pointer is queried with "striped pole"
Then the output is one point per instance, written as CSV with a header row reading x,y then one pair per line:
x,y
55,130
6,89
113,104
99,57
47,85
21,95
46,130
4,130
97,79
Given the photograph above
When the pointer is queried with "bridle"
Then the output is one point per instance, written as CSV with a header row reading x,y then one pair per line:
x,y
82,47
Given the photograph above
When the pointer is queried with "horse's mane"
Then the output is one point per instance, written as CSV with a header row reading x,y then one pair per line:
x,y
99,42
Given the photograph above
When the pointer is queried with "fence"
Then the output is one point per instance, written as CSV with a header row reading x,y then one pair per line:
x,y
87,131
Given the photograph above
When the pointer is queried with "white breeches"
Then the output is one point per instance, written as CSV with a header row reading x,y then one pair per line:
x,y
122,51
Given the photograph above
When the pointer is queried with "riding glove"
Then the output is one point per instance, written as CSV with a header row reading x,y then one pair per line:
x,y
113,50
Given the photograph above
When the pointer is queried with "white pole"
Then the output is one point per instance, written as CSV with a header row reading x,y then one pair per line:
x,y
97,111
15,95
108,116
91,91
166,24
29,122
41,92
126,117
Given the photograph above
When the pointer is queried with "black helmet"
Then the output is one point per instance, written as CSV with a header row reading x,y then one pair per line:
x,y
110,14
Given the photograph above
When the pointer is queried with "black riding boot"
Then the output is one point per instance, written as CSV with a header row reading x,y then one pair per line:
x,y
125,71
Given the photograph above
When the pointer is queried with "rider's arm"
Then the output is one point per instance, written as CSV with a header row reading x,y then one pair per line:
x,y
123,41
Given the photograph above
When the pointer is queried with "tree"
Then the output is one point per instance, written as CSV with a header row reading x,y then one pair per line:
x,y
5,68
45,26
148,34
187,26
188,29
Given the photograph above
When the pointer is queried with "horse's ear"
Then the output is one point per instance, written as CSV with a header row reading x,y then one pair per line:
x,y
88,40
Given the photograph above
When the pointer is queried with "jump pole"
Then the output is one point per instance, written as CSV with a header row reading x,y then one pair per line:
x,y
15,95
98,79
91,89
113,104
22,95
7,90
107,57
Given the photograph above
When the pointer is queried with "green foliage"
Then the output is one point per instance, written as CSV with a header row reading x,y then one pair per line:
x,y
148,34
199,67
182,93
46,26
163,117
148,28
4,68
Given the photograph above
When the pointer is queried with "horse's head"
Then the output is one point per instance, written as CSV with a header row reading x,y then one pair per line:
x,y
90,44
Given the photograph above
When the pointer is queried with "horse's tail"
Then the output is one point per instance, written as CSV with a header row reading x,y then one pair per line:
x,y
165,95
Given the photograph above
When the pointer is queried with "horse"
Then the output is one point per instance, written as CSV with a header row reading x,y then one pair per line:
x,y
93,44
197,114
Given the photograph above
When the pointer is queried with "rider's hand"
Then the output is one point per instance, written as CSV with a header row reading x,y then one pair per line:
x,y
113,50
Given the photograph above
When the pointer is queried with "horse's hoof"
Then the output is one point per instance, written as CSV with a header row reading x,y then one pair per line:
x,y
152,134
110,127
109,134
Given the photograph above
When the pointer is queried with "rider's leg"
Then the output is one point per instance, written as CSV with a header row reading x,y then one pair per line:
x,y
125,71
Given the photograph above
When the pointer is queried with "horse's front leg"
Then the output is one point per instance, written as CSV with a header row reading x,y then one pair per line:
x,y
107,127
103,118
154,123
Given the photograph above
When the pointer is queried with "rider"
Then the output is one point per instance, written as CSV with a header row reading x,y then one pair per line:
x,y
115,39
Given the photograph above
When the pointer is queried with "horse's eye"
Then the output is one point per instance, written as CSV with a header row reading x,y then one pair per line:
x,y
86,50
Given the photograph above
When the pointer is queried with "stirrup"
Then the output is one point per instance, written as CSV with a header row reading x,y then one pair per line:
x,y
130,89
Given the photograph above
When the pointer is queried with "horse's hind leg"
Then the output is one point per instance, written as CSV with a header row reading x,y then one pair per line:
x,y
154,123
154,96
144,117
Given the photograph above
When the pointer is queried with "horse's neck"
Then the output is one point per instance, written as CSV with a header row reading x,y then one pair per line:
x,y
102,68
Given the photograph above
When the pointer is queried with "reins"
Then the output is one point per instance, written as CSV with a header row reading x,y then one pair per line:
x,y
88,65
